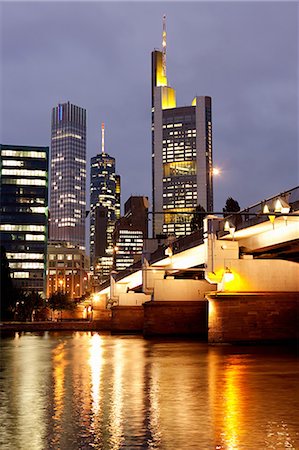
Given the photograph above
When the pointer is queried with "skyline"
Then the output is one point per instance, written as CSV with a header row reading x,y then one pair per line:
x,y
254,96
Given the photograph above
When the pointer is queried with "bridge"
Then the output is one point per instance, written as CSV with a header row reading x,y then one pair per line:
x,y
254,252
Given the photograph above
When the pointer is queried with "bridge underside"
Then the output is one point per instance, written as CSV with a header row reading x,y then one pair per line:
x,y
287,250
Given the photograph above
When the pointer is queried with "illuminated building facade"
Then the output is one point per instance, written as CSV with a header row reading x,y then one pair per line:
x,y
182,174
130,232
24,213
104,210
68,175
67,270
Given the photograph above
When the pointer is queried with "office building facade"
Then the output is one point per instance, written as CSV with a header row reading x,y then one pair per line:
x,y
130,232
67,270
68,175
24,213
104,209
182,164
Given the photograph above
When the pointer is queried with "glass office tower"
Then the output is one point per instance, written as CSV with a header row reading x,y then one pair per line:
x,y
24,213
182,174
68,175
104,210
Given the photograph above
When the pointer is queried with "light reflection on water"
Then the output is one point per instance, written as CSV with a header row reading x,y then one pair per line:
x,y
93,391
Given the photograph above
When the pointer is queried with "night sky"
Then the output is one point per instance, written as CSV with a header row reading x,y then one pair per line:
x,y
98,55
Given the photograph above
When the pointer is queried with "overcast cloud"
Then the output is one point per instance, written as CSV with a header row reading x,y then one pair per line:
x,y
97,55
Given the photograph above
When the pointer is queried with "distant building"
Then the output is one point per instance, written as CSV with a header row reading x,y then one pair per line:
x,y
24,213
182,167
104,210
68,175
130,232
67,270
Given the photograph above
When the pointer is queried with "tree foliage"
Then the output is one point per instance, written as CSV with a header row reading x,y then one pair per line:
x,y
28,303
8,299
232,206
198,217
60,301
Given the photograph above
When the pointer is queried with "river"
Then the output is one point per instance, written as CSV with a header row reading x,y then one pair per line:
x,y
95,391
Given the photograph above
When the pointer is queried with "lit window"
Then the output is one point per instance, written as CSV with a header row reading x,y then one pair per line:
x,y
24,154
12,163
35,237
25,256
26,265
20,274
24,182
8,227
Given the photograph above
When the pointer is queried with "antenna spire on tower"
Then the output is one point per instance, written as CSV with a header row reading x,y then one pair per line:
x,y
103,137
164,46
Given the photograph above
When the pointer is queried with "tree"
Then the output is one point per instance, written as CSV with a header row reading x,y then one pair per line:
x,y
60,301
197,219
232,206
7,298
28,304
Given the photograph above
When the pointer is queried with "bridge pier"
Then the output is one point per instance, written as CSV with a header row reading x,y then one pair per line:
x,y
240,317
176,318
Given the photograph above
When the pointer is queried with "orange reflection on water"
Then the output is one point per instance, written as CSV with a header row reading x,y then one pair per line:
x,y
96,365
233,409
154,408
116,424
59,364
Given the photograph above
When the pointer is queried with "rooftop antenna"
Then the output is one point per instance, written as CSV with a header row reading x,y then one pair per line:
x,y
164,46
103,137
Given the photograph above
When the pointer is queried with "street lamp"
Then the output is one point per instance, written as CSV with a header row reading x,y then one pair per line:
x,y
216,171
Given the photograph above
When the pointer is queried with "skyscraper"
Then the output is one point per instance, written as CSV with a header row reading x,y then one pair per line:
x,y
181,153
68,175
130,232
104,194
24,213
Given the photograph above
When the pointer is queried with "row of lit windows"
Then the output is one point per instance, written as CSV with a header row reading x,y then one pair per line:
x,y
12,163
9,227
24,154
35,237
26,265
62,136
20,274
25,255
25,182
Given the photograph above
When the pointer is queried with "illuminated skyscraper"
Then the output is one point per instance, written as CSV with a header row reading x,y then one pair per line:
x,y
105,204
130,232
68,175
24,213
181,153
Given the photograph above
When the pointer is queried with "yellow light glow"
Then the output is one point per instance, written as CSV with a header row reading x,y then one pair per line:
x,y
228,276
168,98
216,171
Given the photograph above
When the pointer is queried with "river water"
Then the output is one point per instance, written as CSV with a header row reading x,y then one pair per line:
x,y
96,391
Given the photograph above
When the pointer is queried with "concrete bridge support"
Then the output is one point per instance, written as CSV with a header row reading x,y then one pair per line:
x,y
176,318
240,317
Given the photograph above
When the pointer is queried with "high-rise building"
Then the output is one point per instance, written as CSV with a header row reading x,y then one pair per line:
x,y
104,208
130,232
24,213
67,270
68,175
182,174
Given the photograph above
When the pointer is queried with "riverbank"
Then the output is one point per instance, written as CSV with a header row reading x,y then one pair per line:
x,y
64,325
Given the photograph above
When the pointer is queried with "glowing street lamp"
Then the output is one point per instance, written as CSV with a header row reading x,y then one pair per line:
x,y
228,275
230,228
216,171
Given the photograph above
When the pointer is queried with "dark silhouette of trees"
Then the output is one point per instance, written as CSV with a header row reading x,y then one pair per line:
x,y
8,297
28,304
60,301
232,206
197,219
